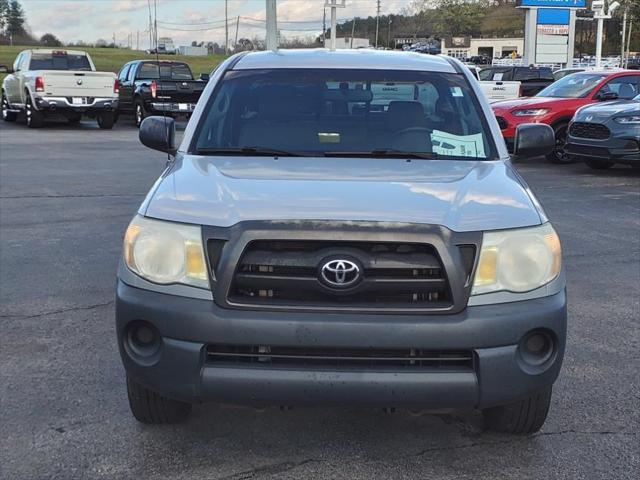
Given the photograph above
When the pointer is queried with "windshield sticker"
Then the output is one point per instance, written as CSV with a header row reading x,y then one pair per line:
x,y
456,92
444,143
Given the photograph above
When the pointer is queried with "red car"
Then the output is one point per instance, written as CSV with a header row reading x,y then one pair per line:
x,y
556,104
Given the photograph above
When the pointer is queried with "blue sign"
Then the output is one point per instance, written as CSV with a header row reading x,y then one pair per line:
x,y
553,16
553,3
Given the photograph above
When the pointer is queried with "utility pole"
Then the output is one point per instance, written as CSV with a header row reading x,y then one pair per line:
x,y
138,40
377,22
150,28
324,27
272,25
353,31
389,33
629,41
226,27
624,37
237,27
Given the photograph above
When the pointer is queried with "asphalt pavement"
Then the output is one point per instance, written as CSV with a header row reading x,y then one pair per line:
x,y
66,196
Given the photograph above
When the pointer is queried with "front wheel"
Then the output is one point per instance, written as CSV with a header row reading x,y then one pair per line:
x,y
152,408
599,164
523,417
7,114
106,120
35,118
559,155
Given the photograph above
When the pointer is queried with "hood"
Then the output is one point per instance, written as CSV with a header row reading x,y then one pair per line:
x,y
532,102
461,195
605,110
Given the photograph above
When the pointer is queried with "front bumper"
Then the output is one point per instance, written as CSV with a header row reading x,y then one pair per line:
x,y
615,149
87,105
188,325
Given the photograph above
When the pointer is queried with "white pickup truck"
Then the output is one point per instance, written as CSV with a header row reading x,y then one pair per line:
x,y
47,82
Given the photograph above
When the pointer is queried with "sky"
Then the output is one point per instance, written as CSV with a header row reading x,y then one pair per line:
x,y
184,20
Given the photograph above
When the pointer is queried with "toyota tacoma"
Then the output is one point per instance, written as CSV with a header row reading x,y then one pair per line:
x,y
342,228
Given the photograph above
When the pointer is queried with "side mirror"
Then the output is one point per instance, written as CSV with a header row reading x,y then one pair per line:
x,y
159,133
533,139
204,77
5,69
605,96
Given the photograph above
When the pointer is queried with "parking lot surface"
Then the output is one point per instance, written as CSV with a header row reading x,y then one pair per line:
x,y
67,194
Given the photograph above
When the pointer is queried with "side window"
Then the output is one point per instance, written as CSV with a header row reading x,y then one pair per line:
x,y
16,64
526,74
486,74
132,72
625,87
122,76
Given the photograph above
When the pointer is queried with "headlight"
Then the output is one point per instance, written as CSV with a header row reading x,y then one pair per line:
x,y
530,112
165,252
626,120
517,260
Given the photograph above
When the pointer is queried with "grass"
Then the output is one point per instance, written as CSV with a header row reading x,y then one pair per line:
x,y
111,59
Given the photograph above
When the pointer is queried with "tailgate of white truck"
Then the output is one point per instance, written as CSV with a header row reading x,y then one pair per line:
x,y
78,84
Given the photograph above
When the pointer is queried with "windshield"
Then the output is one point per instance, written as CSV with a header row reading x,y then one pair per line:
x,y
577,85
59,61
343,112
168,71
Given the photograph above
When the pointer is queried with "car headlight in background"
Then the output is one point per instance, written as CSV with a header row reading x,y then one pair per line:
x,y
633,119
517,260
166,252
530,112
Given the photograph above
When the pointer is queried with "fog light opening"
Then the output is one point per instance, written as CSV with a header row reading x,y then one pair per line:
x,y
142,340
537,348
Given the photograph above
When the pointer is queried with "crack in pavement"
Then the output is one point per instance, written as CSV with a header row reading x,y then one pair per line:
x,y
54,312
516,439
273,469
88,195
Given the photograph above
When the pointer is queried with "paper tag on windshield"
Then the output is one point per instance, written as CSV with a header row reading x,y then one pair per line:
x,y
444,143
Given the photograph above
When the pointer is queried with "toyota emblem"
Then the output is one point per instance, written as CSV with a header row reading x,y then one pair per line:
x,y
339,273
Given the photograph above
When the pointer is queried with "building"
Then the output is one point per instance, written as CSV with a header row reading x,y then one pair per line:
x,y
348,42
467,47
193,51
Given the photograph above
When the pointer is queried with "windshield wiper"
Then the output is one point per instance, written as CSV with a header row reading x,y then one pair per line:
x,y
249,151
386,153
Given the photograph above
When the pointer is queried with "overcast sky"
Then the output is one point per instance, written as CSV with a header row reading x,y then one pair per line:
x,y
89,20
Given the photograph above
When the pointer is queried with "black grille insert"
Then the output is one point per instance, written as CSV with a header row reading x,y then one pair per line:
x,y
318,357
594,131
286,273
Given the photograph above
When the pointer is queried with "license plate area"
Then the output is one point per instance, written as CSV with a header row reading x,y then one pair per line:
x,y
183,107
79,101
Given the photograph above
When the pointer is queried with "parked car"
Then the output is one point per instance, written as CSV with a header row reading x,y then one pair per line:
x,y
299,252
563,72
532,79
46,82
148,87
556,104
606,133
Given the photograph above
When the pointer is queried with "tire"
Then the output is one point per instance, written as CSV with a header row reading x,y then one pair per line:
x,y
35,118
139,112
152,408
523,417
106,120
558,155
599,164
7,116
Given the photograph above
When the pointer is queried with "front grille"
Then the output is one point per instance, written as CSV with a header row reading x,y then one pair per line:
x,y
393,275
502,123
318,357
594,131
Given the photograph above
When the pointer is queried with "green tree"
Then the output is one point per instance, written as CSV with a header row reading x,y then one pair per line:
x,y
459,17
4,14
16,20
50,40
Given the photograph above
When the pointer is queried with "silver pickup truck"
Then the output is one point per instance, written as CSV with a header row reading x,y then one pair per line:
x,y
342,228
47,82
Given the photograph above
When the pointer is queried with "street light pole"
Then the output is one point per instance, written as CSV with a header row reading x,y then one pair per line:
x,y
272,25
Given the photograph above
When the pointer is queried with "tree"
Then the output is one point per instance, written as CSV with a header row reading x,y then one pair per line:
x,y
16,20
4,14
50,40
